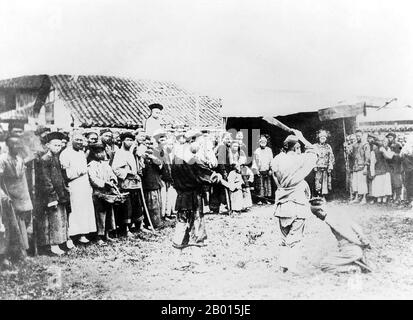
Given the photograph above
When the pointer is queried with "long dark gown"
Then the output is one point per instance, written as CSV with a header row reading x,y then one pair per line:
x,y
188,181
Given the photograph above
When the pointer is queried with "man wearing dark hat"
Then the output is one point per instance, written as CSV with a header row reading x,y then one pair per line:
x,y
125,168
106,137
16,129
52,218
395,168
154,121
291,197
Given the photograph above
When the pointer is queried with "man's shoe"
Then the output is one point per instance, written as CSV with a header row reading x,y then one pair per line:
x,y
56,250
69,244
109,239
83,240
101,243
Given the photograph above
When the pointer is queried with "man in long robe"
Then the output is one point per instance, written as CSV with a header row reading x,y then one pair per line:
x,y
153,123
219,195
325,165
189,175
261,167
82,215
16,202
360,153
291,198
52,217
395,168
350,237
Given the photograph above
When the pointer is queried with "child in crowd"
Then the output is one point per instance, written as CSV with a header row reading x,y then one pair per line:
x,y
235,181
248,178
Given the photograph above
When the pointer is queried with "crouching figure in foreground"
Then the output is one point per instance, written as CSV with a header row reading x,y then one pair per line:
x,y
351,241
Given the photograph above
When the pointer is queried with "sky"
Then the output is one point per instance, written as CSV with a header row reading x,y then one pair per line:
x,y
217,47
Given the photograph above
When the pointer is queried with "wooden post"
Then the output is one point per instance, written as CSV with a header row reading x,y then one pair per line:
x,y
347,165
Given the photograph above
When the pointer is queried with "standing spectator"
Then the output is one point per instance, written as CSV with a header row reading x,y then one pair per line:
x,y
106,137
219,194
360,152
152,183
248,178
104,183
325,165
82,215
349,162
126,169
166,179
235,181
92,137
395,168
153,123
52,218
380,171
242,146
16,197
117,141
261,167
407,163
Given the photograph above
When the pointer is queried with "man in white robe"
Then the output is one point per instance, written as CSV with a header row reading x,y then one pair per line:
x,y
153,123
82,216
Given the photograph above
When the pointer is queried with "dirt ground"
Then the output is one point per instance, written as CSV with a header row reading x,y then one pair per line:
x,y
240,262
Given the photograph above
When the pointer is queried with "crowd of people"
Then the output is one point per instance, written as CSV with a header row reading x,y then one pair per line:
x,y
380,168
97,185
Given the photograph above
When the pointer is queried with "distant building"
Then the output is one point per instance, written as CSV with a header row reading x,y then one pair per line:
x,y
102,101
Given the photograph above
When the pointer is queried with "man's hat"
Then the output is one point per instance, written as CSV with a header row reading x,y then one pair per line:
x,y
96,147
192,133
41,130
54,136
16,125
155,106
370,135
103,131
158,133
391,134
290,141
125,135
204,131
89,132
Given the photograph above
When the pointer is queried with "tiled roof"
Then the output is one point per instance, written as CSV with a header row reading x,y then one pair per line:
x,y
26,82
102,101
